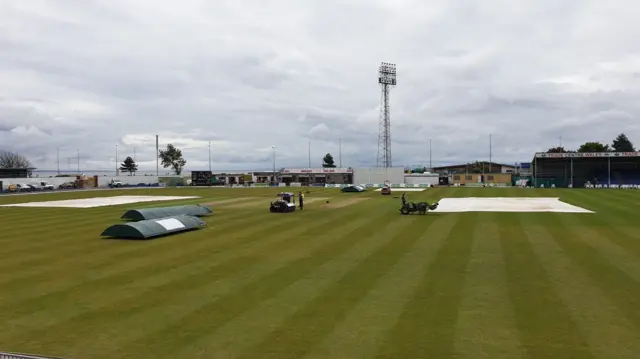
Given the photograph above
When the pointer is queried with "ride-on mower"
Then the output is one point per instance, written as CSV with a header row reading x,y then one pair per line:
x,y
285,202
386,190
420,207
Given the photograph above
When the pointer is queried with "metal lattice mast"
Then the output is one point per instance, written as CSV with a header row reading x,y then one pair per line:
x,y
387,80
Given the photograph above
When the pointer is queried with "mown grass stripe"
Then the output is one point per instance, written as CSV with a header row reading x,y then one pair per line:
x,y
486,303
600,200
631,196
128,253
619,227
105,251
152,311
545,326
427,326
252,326
363,329
118,277
607,332
219,311
303,330
82,312
112,317
621,288
609,245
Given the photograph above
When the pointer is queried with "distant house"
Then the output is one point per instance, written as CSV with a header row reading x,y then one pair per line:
x,y
16,172
479,167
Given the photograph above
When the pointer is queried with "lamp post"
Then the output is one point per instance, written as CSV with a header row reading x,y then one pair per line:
x,y
430,164
209,156
274,163
116,160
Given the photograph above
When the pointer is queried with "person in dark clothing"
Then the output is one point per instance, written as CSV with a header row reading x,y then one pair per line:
x,y
301,200
404,198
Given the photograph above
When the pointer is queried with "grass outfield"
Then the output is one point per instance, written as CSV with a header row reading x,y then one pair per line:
x,y
359,281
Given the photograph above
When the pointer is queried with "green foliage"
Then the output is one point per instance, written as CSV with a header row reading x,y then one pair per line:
x,y
129,165
327,161
172,157
622,144
593,147
557,150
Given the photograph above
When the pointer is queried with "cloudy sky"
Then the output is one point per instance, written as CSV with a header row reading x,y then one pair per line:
x,y
88,75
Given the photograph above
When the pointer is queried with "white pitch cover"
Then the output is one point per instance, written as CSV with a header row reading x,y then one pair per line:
x,y
170,224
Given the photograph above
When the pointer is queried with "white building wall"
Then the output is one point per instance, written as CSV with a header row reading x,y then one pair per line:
x,y
432,179
103,181
507,169
378,175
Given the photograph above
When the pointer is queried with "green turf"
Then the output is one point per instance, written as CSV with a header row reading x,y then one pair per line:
x,y
354,282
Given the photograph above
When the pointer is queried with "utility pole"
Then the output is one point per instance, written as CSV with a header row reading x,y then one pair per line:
x,y
58,159
78,161
157,157
116,160
209,156
340,151
274,163
430,164
490,149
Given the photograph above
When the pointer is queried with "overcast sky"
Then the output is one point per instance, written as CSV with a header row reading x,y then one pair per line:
x,y
249,74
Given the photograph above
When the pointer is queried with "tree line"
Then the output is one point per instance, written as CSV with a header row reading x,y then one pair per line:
x,y
169,157
172,157
620,144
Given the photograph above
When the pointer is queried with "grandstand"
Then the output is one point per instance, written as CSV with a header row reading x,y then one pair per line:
x,y
576,169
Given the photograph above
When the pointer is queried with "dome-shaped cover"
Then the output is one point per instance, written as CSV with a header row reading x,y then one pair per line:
x,y
151,228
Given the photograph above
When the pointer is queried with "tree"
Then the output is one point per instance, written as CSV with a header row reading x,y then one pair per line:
x,y
327,161
13,160
129,165
557,150
172,157
622,144
593,147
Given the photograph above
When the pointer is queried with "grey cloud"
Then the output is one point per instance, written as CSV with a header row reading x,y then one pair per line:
x,y
247,75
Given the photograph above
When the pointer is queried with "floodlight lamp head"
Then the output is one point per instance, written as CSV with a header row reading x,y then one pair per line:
x,y
387,74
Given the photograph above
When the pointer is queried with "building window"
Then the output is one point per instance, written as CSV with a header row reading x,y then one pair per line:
x,y
490,178
456,178
468,178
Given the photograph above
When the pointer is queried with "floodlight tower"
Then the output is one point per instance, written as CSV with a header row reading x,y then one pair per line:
x,y
387,80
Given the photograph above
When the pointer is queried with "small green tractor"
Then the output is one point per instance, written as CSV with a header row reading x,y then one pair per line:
x,y
420,208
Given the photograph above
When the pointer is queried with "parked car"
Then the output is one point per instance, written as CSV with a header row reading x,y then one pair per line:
x,y
22,187
115,183
68,185
45,186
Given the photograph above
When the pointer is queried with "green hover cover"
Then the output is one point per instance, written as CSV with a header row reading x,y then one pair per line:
x,y
151,228
161,212
354,188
